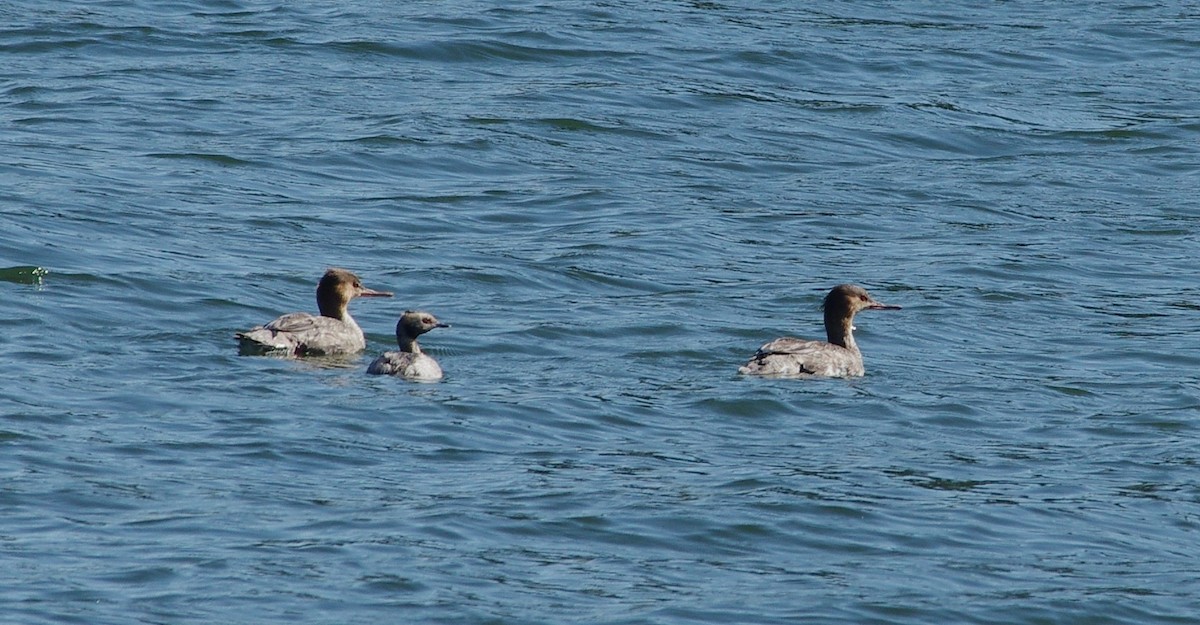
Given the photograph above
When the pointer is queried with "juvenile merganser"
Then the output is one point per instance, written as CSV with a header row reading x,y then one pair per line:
x,y
837,358
302,334
410,362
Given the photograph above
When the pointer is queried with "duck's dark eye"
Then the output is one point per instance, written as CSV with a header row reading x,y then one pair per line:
x,y
427,321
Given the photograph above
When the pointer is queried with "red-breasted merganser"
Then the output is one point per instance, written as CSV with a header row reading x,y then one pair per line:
x,y
301,334
410,362
837,358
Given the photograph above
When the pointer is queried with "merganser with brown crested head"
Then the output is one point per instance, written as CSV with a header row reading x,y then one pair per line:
x,y
333,332
837,358
410,362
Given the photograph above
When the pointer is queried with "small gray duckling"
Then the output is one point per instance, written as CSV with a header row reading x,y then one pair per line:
x,y
410,362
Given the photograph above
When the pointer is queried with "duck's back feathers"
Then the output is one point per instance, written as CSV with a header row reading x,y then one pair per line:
x,y
791,357
407,365
302,334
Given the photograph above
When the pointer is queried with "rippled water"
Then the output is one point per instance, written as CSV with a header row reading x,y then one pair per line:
x,y
614,204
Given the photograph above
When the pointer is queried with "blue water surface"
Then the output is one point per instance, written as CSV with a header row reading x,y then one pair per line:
x,y
613,203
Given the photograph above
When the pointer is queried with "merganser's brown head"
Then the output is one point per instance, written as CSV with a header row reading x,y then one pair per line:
x,y
337,288
843,302
848,299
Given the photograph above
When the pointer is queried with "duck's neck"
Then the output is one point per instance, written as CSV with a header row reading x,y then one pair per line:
x,y
335,310
840,330
408,344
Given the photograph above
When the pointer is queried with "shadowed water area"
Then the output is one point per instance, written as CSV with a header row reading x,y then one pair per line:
x,y
613,204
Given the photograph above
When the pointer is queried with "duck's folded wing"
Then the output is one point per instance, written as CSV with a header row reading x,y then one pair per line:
x,y
294,323
285,335
796,357
789,345
390,363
